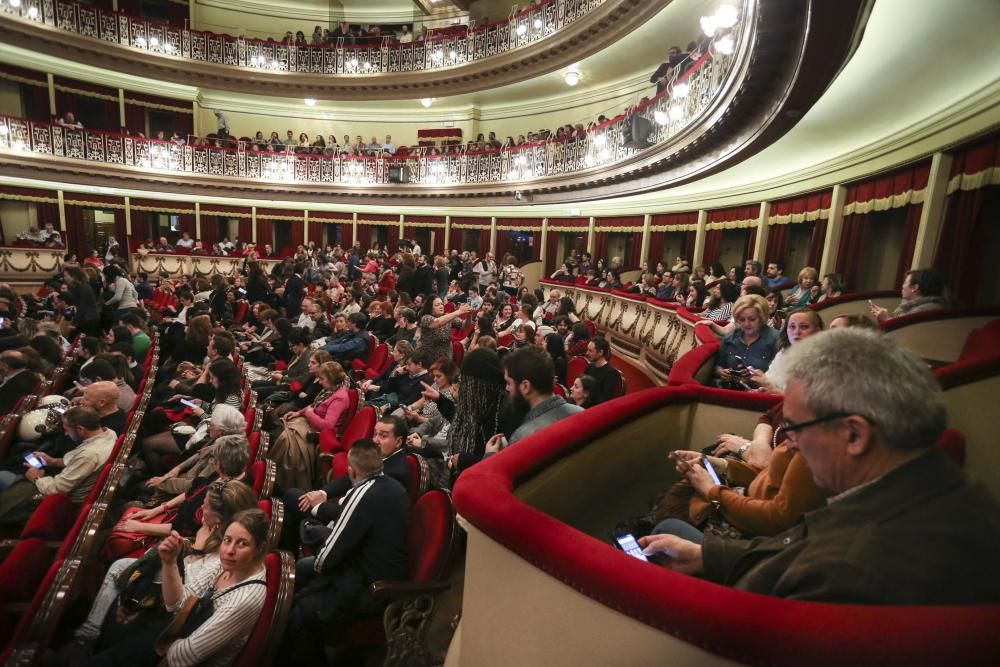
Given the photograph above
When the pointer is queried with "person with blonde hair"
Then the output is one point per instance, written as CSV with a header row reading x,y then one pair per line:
x,y
750,346
802,293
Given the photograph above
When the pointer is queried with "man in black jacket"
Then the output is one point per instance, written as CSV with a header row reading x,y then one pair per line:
x,y
18,380
366,543
324,504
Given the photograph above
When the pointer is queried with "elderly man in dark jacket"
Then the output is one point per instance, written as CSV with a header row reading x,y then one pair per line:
x,y
904,527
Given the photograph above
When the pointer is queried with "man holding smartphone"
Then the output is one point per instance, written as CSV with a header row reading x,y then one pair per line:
x,y
866,415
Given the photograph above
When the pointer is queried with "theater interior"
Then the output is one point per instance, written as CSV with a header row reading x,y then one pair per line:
x,y
859,138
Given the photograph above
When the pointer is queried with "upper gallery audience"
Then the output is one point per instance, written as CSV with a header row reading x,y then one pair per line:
x,y
923,289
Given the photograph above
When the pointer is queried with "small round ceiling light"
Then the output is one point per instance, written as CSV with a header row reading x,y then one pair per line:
x,y
676,113
537,23
32,12
660,118
310,102
709,25
521,29
15,3
571,78
680,91
427,102
725,45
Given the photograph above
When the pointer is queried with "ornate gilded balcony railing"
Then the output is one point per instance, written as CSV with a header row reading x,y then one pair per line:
x,y
664,117
444,48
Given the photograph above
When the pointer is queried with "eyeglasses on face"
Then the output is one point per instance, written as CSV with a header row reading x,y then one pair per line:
x,y
790,429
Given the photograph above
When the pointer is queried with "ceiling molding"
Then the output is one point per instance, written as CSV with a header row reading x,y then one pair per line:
x,y
599,29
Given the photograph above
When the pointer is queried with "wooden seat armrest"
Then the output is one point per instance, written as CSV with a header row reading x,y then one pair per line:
x,y
388,591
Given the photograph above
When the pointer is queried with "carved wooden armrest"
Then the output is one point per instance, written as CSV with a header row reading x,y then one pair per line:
x,y
388,591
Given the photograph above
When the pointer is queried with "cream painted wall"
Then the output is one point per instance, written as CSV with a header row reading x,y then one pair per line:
x,y
10,98
16,217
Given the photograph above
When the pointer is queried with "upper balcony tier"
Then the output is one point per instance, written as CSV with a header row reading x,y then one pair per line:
x,y
744,92
537,40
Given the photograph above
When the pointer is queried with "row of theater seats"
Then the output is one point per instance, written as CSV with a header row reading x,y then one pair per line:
x,y
45,564
554,549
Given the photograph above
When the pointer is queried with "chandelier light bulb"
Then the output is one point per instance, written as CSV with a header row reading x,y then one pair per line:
x,y
310,102
168,47
725,45
709,25
15,3
427,102
725,16
453,54
660,118
676,113
141,42
4,131
521,29
538,24
680,91
32,12
154,41
572,78
353,62
367,65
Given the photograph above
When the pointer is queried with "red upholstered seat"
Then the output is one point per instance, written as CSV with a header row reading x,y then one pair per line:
x,y
457,352
376,359
432,529
69,539
23,570
51,520
361,426
267,632
240,315
263,477
575,367
253,444
250,416
690,367
591,327
559,390
39,589
982,342
506,341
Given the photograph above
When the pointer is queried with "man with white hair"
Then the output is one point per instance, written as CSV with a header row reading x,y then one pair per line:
x,y
904,525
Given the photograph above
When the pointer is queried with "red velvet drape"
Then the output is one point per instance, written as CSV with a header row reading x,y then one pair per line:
x,y
503,245
552,254
816,243
245,231
655,252
48,213
393,239
484,242
748,249
910,226
135,118
455,240
689,240
346,235
74,231
298,232
35,101
634,259
962,238
140,227
187,223
317,233
601,247
120,228
851,251
265,232
365,236
713,246
777,244
210,230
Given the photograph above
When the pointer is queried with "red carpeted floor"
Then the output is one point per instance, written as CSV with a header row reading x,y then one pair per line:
x,y
635,379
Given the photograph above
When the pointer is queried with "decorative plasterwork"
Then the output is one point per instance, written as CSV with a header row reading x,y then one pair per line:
x,y
600,28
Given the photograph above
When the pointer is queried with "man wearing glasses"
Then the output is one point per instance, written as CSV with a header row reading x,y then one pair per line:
x,y
904,526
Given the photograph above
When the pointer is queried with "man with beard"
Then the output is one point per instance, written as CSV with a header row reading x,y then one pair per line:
x,y
530,377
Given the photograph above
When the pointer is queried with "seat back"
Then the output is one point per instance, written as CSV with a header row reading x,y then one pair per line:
x,y
362,425
559,390
431,536
52,519
952,443
575,367
981,342
378,356
457,352
263,473
253,445
419,477
23,570
270,626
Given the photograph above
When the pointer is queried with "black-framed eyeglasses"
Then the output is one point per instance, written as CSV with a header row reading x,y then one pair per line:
x,y
790,429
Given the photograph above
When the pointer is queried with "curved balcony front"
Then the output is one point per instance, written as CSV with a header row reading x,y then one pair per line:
x,y
729,105
537,40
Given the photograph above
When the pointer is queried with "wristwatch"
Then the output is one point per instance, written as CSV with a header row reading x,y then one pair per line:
x,y
743,448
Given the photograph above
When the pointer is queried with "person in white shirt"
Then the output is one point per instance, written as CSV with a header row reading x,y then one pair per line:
x,y
223,125
389,147
405,36
185,241
69,120
226,245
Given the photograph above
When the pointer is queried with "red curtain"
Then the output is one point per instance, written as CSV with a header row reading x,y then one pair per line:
x,y
265,232
634,260
49,213
298,232
35,101
346,235
503,243
365,236
552,258
187,223
748,250
777,244
210,230
816,244
713,246
245,230
74,231
455,240
120,233
910,227
962,238
393,238
484,242
655,253
135,118
851,251
317,233
178,13
140,227
601,247
689,240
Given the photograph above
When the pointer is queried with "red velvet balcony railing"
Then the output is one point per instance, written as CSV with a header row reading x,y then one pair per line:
x,y
446,49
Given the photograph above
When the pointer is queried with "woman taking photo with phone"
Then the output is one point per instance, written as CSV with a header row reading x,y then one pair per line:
x,y
751,346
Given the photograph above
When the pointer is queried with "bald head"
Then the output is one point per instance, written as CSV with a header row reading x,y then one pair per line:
x,y
750,281
13,360
102,397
